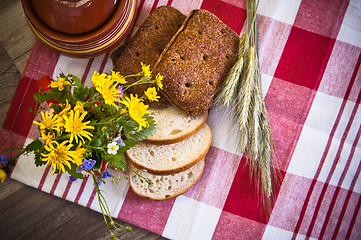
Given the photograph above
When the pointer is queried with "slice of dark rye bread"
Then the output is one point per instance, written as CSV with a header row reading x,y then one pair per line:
x,y
172,158
146,46
164,186
174,125
196,61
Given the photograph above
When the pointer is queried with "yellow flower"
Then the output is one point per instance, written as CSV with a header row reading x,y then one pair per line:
x,y
59,155
64,112
158,80
151,94
75,126
79,155
115,76
137,109
60,83
2,175
109,92
48,121
79,107
47,137
98,79
146,70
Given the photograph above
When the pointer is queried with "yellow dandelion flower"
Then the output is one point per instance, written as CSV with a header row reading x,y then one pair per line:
x,y
151,94
109,92
58,155
158,80
2,175
115,76
79,107
98,79
64,112
76,127
48,121
146,70
137,109
47,137
78,156
60,83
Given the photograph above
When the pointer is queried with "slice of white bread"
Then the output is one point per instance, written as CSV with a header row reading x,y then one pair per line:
x,y
174,125
172,158
164,186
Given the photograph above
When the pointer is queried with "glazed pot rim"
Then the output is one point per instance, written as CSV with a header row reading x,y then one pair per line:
x,y
98,33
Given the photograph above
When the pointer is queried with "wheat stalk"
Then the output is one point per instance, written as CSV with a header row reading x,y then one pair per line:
x,y
241,92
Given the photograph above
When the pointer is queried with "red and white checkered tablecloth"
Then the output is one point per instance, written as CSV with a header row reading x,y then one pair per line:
x,y
310,55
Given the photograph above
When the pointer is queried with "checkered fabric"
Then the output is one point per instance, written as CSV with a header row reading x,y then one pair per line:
x,y
310,62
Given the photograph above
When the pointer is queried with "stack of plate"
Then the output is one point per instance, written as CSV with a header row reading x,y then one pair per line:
x,y
82,28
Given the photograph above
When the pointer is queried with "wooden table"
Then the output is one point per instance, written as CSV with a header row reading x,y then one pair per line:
x,y
27,213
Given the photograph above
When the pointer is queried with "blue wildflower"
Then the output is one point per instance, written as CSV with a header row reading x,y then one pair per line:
x,y
88,164
120,142
106,174
4,159
71,178
80,168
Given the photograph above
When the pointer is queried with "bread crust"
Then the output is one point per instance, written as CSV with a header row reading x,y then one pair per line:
x,y
171,196
196,60
178,169
146,46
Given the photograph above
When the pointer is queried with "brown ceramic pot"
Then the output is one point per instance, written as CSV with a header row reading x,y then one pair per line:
x,y
87,38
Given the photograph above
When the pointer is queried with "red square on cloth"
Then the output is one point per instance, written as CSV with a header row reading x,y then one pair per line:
x,y
231,15
19,120
312,52
244,199
288,106
142,211
231,226
323,17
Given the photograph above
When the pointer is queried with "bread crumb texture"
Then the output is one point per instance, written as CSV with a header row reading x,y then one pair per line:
x,y
164,186
172,157
174,124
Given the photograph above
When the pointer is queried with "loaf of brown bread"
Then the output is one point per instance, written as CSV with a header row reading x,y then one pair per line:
x,y
196,61
147,44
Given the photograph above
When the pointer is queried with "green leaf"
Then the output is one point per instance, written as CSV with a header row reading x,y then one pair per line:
x,y
96,142
76,80
144,133
72,171
33,146
57,108
117,160
38,158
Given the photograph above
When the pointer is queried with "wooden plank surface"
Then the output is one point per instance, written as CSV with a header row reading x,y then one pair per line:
x,y
26,213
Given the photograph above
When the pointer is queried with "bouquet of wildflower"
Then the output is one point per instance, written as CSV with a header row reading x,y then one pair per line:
x,y
87,129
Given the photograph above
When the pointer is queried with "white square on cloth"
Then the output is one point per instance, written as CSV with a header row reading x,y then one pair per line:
x,y
314,136
26,171
276,233
282,10
190,219
350,31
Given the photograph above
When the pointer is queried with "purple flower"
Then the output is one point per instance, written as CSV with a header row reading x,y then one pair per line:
x,y
80,168
120,142
71,178
88,164
106,174
4,159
